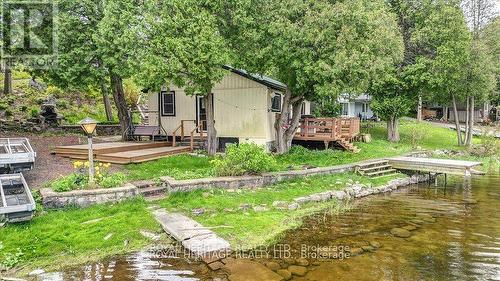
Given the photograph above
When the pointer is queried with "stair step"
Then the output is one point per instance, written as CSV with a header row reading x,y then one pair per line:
x,y
381,172
152,191
371,164
375,168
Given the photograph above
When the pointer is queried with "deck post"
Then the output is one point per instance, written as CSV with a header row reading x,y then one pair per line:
x,y
327,143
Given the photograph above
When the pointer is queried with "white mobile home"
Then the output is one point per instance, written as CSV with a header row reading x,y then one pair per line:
x,y
245,108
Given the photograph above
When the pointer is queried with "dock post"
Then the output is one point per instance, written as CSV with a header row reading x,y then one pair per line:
x,y
436,180
445,180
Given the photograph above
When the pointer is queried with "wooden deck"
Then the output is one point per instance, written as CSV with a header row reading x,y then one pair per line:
x,y
432,165
143,155
122,152
328,129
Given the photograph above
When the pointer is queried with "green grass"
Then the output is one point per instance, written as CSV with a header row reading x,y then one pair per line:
x,y
60,238
178,167
247,229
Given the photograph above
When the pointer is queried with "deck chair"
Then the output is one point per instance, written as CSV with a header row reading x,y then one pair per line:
x,y
145,131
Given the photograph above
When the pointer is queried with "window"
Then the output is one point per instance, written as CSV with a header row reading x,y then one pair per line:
x,y
345,109
276,103
365,107
167,103
303,109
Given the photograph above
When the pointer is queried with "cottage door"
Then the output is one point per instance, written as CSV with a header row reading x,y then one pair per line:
x,y
201,112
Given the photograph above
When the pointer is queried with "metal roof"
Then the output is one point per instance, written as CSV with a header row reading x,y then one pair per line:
x,y
259,78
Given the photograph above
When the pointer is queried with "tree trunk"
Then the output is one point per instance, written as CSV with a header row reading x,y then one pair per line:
x,y
212,140
445,113
419,109
7,82
392,129
121,105
467,116
285,130
471,123
107,102
457,122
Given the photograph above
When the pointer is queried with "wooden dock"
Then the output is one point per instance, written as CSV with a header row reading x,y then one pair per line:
x,y
438,166
122,152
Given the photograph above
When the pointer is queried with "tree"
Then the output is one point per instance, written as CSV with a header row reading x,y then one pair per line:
x,y
184,47
318,49
445,39
118,38
80,66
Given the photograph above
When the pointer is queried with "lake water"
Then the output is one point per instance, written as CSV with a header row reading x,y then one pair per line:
x,y
454,235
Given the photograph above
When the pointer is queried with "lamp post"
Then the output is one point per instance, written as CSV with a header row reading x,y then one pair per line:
x,y
89,125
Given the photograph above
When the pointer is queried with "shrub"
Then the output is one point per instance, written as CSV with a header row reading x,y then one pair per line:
x,y
246,158
79,179
34,111
53,91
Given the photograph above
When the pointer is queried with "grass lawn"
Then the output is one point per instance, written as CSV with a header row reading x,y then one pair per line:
x,y
247,228
74,236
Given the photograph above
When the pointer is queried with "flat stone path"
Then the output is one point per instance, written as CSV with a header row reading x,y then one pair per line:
x,y
192,235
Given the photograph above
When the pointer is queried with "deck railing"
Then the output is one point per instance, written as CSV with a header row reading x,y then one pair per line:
x,y
182,129
327,128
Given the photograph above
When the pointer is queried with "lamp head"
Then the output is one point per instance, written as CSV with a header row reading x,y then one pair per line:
x,y
88,125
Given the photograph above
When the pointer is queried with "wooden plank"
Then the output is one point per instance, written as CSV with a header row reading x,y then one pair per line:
x,y
138,156
106,148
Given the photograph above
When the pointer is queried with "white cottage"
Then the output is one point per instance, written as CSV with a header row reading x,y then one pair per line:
x,y
245,109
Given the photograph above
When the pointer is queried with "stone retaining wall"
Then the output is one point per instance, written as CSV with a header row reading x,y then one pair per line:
x,y
85,198
173,185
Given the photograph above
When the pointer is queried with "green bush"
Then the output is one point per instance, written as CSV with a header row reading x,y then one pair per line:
x,y
53,91
34,111
246,158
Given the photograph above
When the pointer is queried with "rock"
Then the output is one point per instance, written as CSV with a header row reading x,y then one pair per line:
x,y
339,195
410,227
272,265
37,272
198,212
244,207
400,232
287,275
260,209
205,194
368,248
302,262
356,251
216,265
302,200
280,205
150,235
293,206
247,270
297,270
375,244
108,236
228,210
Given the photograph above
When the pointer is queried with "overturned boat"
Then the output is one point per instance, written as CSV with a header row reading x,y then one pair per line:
x,y
16,201
16,155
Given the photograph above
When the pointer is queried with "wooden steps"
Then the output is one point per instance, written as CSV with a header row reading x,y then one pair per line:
x,y
375,169
81,151
348,145
143,155
122,152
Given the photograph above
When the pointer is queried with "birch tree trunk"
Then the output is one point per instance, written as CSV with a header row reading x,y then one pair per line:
x,y
467,116
212,140
121,105
471,122
392,129
285,128
457,122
